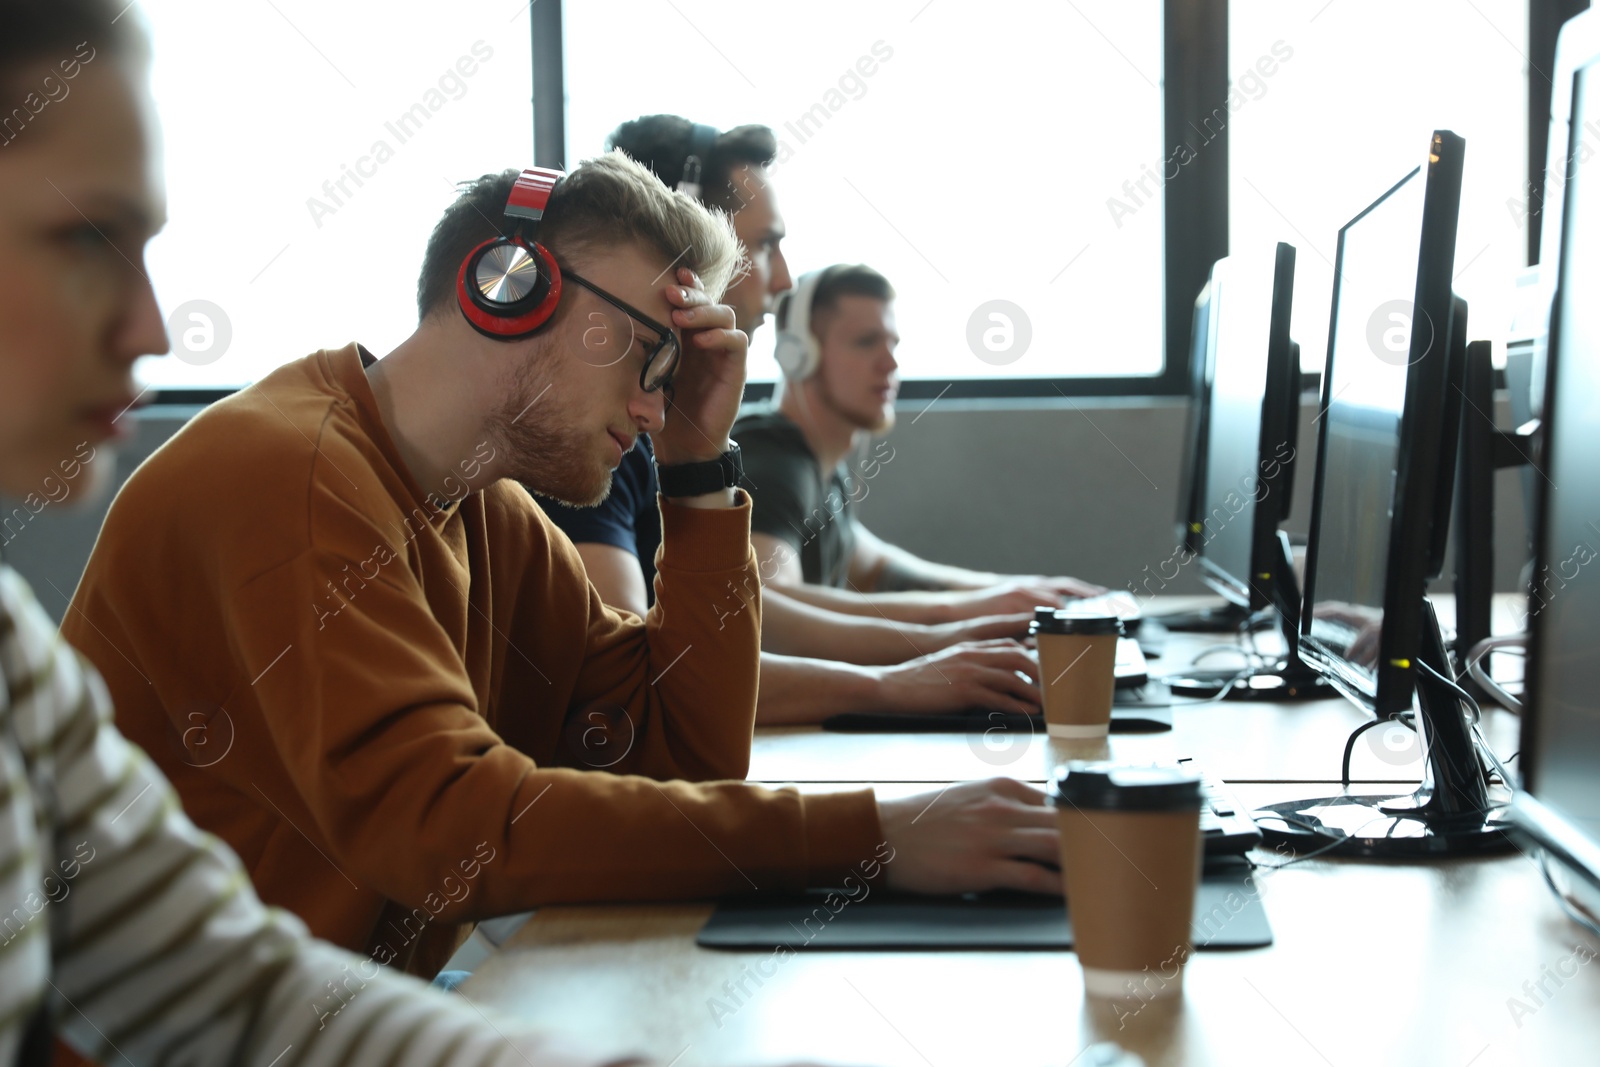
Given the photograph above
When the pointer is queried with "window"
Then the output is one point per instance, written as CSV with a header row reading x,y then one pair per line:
x,y
1356,88
310,148
1013,157
1019,157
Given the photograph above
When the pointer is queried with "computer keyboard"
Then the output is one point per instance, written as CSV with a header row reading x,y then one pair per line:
x,y
1225,826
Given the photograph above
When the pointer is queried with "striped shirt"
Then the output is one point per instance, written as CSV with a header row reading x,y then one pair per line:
x,y
141,935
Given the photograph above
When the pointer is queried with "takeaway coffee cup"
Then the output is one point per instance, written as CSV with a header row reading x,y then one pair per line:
x,y
1130,860
1077,670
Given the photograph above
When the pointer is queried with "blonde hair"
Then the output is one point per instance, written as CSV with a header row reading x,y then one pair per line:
x,y
606,202
611,200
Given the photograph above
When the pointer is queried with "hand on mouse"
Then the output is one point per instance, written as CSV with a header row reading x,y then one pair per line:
x,y
970,837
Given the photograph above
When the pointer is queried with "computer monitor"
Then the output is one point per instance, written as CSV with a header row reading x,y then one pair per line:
x,y
1383,406
1190,526
1243,467
1380,511
1228,456
1558,803
1250,432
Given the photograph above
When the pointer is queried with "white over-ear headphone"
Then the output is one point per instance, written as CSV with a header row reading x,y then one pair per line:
x,y
797,350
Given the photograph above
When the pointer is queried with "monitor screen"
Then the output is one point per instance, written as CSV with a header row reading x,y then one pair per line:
x,y
1561,730
1250,304
1392,377
1368,354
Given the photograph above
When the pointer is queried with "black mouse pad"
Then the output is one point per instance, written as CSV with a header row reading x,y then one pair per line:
x,y
1227,915
1145,710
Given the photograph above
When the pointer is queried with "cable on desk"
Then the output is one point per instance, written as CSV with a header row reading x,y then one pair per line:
x,y
1477,717
1404,718
1317,826
1249,657
1254,661
1455,686
1408,720
1226,688
1473,666
1261,619
1313,854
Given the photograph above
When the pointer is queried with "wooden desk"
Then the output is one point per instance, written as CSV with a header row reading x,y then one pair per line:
x,y
1239,741
1407,964
1413,965
1236,741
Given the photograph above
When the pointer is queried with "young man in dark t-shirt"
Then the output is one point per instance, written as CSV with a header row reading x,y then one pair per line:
x,y
814,662
836,347
812,514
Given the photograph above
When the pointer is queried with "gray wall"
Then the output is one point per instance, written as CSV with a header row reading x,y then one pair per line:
x,y
1083,487
50,549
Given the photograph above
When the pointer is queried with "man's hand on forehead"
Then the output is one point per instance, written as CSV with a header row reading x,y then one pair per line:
x,y
695,314
709,384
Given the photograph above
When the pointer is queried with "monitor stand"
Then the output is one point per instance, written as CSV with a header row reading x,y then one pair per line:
x,y
1448,815
1226,618
1483,451
1287,679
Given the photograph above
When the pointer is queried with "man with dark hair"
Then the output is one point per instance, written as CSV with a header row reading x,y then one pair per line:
x,y
433,719
732,178
836,348
814,662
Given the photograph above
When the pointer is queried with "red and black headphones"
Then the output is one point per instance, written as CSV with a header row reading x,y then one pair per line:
x,y
509,286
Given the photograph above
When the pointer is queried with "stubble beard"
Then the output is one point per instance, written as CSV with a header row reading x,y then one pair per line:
x,y
875,420
544,449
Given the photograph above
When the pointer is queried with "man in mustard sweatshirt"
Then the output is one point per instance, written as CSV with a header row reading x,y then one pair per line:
x,y
368,661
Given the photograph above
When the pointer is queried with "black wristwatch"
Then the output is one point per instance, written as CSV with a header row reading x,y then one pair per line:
x,y
697,479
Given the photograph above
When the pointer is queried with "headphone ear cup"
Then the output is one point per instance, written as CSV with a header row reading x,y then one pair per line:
x,y
791,357
813,355
797,350
789,354
508,288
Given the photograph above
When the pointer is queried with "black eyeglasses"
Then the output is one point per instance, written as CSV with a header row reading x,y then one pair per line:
x,y
655,374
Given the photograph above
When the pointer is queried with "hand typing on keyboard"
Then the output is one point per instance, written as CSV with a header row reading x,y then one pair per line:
x,y
1020,595
1117,602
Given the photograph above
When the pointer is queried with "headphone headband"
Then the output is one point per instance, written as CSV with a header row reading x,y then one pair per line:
x,y
702,140
530,194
